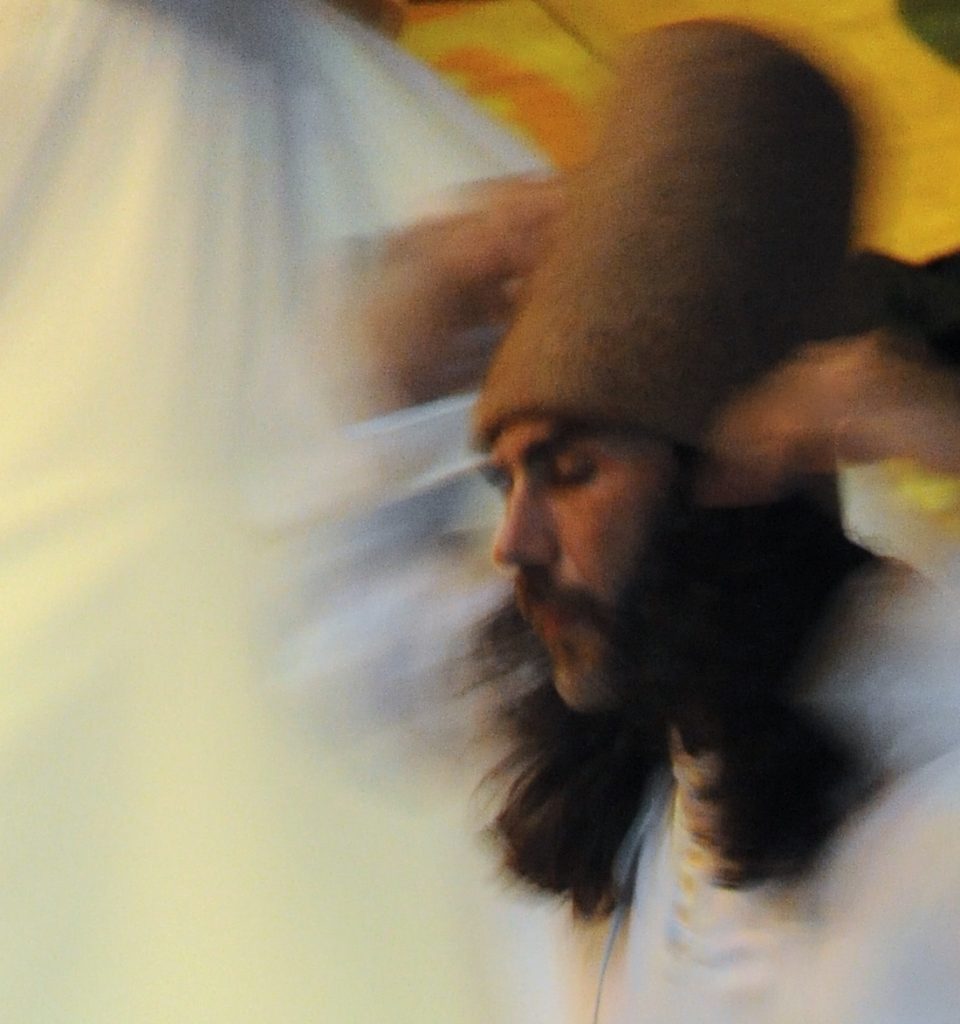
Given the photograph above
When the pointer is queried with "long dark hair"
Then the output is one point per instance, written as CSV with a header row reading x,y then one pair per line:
x,y
708,641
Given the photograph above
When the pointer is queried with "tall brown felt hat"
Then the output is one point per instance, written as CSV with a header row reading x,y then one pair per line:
x,y
705,240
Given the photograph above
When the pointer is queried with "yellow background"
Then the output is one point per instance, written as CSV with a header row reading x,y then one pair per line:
x,y
540,67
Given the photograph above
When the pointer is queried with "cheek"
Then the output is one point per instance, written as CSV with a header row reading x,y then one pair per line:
x,y
619,547
605,538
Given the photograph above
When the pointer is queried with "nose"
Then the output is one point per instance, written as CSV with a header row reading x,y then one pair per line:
x,y
526,535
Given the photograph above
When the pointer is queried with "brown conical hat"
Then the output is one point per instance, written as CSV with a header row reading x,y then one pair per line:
x,y
703,243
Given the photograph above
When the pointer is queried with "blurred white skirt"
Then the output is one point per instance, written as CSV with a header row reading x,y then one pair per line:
x,y
183,837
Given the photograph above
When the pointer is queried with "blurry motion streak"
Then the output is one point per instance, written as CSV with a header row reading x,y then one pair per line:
x,y
202,818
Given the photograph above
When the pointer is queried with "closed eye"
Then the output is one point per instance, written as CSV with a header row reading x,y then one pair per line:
x,y
570,468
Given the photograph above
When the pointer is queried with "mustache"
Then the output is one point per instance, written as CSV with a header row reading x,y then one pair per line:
x,y
535,592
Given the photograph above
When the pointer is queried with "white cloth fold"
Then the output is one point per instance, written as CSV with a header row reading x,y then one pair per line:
x,y
175,843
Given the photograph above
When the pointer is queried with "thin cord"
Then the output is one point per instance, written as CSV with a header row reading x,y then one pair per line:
x,y
619,916
625,871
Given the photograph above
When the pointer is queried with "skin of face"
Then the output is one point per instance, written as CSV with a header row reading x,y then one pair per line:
x,y
578,507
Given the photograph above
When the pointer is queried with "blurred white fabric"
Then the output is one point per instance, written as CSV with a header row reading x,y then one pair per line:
x,y
207,585
869,935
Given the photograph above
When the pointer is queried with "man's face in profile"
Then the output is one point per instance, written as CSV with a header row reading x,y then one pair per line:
x,y
577,514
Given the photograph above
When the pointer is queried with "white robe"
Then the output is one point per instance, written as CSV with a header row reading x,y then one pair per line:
x,y
196,823
872,936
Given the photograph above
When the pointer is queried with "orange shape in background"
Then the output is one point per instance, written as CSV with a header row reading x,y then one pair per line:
x,y
547,114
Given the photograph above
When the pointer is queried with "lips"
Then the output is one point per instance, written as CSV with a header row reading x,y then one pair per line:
x,y
547,616
553,610
549,621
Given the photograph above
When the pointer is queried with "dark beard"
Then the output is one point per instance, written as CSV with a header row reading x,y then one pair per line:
x,y
708,640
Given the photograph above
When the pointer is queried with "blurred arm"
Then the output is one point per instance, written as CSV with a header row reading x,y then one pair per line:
x,y
852,400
